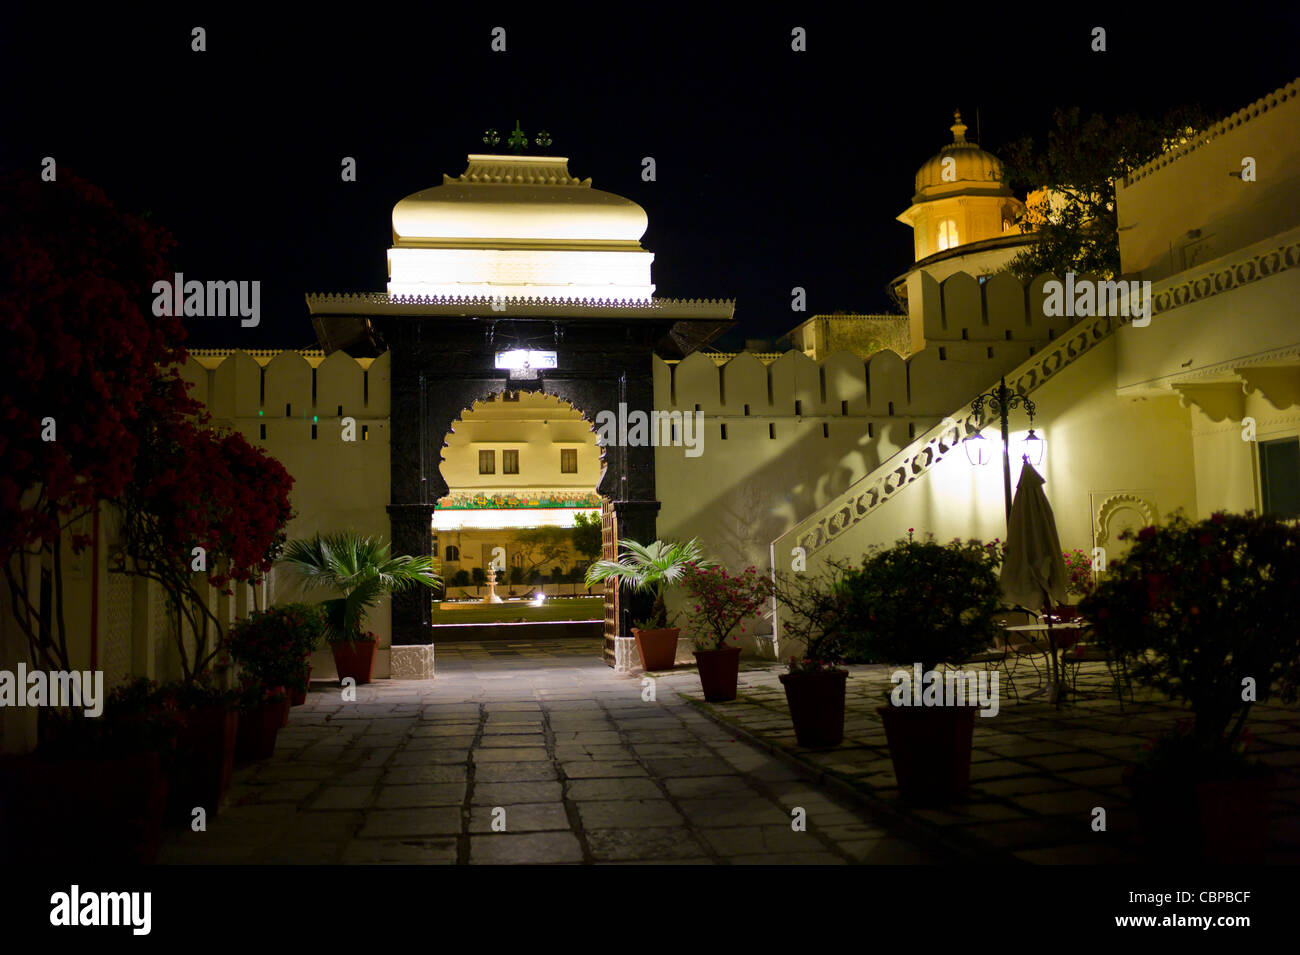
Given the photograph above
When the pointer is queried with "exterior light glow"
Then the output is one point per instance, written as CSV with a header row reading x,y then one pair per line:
x,y
977,450
1031,446
524,358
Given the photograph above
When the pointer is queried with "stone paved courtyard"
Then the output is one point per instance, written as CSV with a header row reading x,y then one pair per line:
x,y
546,737
1037,771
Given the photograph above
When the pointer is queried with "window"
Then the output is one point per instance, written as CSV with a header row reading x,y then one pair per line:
x,y
509,462
568,460
435,548
517,560
453,554
947,234
487,462
1279,476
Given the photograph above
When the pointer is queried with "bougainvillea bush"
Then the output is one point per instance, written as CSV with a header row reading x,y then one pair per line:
x,y
1207,613
922,602
815,613
1078,572
83,358
720,602
272,646
203,507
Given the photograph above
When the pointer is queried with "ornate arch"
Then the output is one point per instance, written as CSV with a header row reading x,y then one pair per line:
x,y
1116,504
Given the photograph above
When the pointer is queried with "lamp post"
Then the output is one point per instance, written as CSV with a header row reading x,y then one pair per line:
x,y
1000,402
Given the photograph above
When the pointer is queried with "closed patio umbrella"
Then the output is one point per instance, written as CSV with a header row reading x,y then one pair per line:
x,y
1033,569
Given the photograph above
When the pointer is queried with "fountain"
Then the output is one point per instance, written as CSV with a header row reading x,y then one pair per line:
x,y
491,596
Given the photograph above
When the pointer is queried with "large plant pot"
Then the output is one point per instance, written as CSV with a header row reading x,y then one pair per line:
x,y
355,660
930,747
299,697
658,648
719,671
205,758
258,729
1214,821
102,812
816,701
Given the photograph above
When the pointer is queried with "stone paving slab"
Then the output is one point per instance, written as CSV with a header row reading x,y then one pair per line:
x,y
546,741
1038,771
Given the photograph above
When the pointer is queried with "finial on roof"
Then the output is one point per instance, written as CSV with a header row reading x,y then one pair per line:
x,y
958,128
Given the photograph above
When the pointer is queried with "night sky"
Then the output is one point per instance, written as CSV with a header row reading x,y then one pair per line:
x,y
775,168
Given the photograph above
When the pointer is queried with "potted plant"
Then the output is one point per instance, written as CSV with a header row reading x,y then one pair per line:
x,y
816,682
263,711
922,603
1078,570
96,790
651,568
1205,613
274,646
361,571
721,602
208,717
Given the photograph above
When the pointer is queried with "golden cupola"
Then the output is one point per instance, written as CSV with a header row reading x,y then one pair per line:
x,y
959,198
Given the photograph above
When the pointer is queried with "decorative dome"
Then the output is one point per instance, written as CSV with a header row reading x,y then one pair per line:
x,y
517,202
973,171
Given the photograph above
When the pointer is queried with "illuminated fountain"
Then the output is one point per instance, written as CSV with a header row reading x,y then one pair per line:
x,y
491,596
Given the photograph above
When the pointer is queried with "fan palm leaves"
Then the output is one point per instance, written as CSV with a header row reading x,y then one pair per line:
x,y
650,568
359,568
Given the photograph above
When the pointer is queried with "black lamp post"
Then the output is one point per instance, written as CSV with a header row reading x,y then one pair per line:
x,y
1000,402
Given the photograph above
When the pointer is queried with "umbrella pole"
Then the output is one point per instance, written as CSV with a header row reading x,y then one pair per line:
x,y
1051,644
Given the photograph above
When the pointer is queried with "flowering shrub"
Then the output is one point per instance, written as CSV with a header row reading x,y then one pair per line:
x,y
1078,570
272,646
922,602
194,487
816,614
1206,613
721,601
83,361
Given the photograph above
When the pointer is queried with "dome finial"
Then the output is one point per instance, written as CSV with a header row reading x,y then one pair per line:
x,y
958,128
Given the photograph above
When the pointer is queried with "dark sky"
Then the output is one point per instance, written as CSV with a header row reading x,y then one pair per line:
x,y
775,168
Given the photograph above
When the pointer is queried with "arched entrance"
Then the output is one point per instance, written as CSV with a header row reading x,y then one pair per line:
x,y
523,512
447,355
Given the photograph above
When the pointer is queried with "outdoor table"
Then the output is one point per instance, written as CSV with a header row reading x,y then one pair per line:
x,y
1054,693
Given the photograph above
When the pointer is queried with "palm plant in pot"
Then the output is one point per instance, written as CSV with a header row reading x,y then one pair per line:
x,y
1205,613
815,684
361,570
923,604
651,568
722,602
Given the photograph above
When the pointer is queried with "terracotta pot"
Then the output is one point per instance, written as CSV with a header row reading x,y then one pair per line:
x,y
816,701
658,648
719,670
258,729
1212,821
103,812
205,758
356,660
299,697
930,747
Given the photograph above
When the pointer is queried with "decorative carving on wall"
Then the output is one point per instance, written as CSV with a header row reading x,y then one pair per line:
x,y
1117,504
1218,400
1280,385
1227,278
